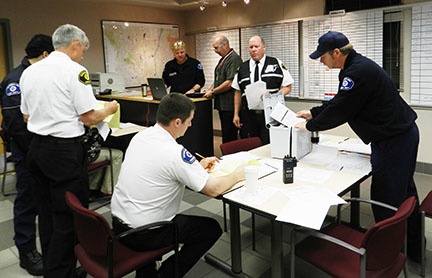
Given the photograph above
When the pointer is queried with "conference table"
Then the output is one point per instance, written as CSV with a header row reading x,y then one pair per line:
x,y
134,108
340,183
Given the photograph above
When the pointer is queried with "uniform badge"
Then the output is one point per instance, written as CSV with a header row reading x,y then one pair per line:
x,y
13,89
83,77
271,68
187,156
199,67
347,84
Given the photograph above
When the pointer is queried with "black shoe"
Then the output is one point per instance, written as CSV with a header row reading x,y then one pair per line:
x,y
32,262
80,272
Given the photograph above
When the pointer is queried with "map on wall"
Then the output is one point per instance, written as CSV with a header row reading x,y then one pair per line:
x,y
137,50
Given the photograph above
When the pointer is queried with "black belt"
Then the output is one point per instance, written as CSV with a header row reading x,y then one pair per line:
x,y
57,140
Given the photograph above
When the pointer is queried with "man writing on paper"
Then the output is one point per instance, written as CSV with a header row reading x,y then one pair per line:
x,y
369,102
152,180
267,75
57,101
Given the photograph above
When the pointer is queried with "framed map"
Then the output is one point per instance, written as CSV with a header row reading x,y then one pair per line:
x,y
137,50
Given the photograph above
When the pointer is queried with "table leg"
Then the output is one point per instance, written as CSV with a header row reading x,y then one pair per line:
x,y
276,249
235,269
236,260
355,206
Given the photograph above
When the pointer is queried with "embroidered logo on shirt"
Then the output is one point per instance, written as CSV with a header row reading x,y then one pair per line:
x,y
199,67
347,84
13,89
187,156
271,68
83,77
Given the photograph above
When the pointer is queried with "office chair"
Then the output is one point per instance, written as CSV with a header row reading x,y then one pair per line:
x,y
7,160
245,144
425,211
102,166
101,253
342,251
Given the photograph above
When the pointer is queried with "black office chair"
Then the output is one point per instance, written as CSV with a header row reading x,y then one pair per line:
x,y
8,165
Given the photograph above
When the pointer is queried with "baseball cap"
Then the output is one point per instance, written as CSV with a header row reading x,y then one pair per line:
x,y
329,41
38,44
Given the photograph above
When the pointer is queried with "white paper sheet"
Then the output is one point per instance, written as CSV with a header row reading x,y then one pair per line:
x,y
307,206
253,95
284,115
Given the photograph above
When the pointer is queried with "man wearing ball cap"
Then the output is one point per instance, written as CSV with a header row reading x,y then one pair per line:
x,y
368,100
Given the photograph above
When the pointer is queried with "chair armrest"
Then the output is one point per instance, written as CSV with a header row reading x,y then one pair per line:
x,y
384,205
309,232
361,200
151,226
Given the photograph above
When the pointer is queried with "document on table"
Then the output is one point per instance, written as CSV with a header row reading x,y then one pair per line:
x,y
307,206
229,163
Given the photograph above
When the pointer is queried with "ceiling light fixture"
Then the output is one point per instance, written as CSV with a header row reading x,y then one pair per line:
x,y
247,1
224,3
202,7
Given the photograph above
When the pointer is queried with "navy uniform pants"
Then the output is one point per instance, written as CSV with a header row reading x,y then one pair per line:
x,y
57,165
393,165
197,233
24,209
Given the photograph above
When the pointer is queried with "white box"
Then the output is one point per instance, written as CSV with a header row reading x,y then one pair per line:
x,y
283,139
112,81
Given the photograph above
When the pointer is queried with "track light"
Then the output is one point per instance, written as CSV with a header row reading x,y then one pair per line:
x,y
202,7
224,3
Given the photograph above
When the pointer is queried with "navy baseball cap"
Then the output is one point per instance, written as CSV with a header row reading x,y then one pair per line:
x,y
329,41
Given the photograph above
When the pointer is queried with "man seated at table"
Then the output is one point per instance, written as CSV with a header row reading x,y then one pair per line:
x,y
151,184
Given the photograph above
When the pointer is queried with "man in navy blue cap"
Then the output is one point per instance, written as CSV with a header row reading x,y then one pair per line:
x,y
19,138
369,102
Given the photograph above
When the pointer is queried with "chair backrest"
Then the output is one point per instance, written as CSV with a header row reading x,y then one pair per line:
x,y
91,228
245,144
384,240
426,205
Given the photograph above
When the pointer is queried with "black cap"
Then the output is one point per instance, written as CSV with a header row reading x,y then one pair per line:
x,y
38,44
329,41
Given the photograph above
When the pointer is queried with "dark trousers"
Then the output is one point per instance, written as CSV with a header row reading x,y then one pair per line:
x,y
57,166
393,166
254,125
197,233
24,208
229,130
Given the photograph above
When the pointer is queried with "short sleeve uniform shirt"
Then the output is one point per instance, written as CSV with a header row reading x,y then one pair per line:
x,y
153,178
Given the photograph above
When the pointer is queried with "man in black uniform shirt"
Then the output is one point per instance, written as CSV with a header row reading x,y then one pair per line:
x,y
183,74
369,102
19,138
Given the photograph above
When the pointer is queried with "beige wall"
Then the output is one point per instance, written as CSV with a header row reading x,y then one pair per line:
x,y
28,17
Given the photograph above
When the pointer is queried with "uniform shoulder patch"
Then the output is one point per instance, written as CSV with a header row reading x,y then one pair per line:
x,y
283,66
347,84
187,156
83,77
200,67
13,89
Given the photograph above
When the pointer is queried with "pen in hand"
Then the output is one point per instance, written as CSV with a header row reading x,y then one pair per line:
x,y
211,163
